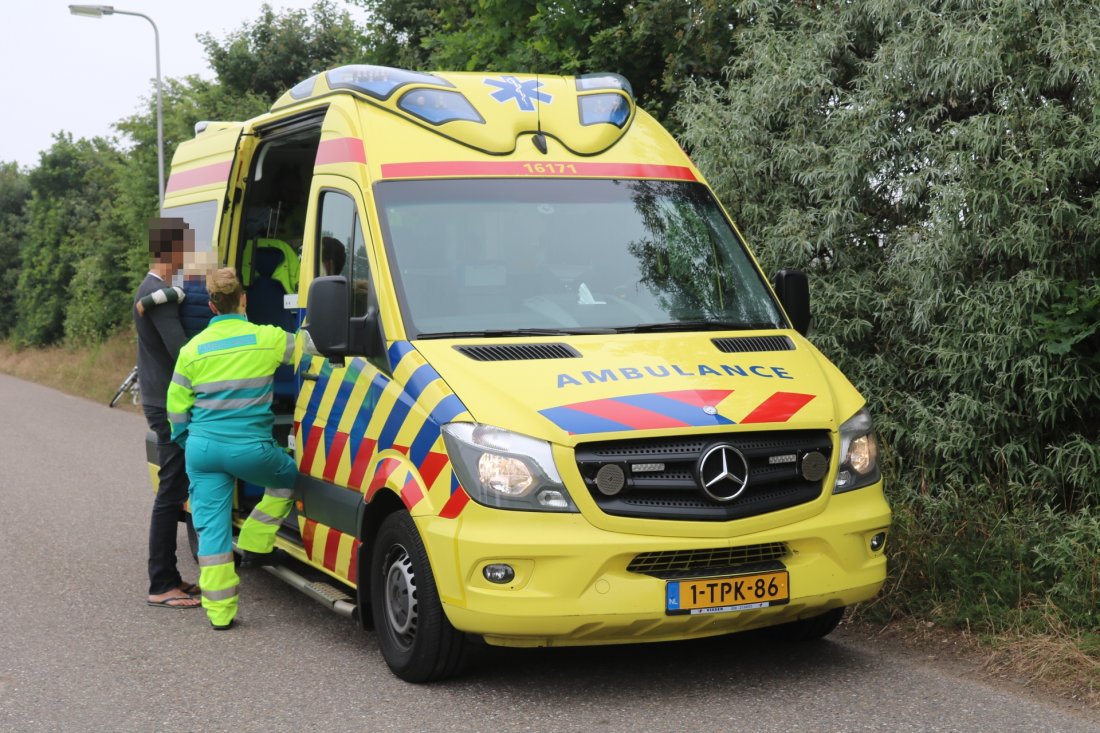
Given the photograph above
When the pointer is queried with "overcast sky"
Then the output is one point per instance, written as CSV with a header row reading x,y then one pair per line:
x,y
59,71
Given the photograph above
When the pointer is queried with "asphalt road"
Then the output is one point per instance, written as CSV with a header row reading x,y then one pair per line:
x,y
80,650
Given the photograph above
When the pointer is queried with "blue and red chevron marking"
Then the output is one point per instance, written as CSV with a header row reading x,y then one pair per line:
x,y
667,410
362,448
680,409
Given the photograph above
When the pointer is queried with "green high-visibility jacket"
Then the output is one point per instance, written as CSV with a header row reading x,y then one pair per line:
x,y
224,380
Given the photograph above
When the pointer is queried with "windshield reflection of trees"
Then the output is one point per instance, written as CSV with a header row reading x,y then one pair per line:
x,y
684,262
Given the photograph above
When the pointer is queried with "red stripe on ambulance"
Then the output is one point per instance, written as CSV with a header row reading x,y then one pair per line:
x,y
699,397
335,453
201,176
778,408
353,562
332,548
362,460
340,150
411,493
535,168
381,475
430,469
637,418
309,531
455,504
312,441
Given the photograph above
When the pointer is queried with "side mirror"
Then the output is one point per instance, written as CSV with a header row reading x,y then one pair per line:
x,y
793,290
327,315
333,333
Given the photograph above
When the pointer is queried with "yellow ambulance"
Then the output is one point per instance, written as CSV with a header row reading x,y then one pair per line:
x,y
543,393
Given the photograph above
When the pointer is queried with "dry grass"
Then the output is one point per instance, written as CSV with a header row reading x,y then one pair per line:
x,y
1060,662
93,372
1064,661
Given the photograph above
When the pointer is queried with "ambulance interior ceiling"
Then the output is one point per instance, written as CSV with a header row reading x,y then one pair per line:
x,y
291,152
297,151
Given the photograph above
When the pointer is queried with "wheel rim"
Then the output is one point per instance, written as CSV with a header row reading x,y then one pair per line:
x,y
400,597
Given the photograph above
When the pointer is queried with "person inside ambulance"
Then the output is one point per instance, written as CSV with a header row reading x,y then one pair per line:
x,y
219,405
333,256
333,260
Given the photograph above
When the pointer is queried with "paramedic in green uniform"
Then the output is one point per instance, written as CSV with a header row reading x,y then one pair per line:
x,y
219,403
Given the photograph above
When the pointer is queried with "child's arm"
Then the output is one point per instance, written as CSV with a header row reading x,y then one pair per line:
x,y
159,297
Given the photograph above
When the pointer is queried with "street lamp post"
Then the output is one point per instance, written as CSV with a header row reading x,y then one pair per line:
x,y
98,11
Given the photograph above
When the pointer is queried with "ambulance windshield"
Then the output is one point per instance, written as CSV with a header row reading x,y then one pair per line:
x,y
494,257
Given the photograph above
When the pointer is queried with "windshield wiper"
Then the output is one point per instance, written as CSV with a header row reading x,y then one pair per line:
x,y
696,326
503,332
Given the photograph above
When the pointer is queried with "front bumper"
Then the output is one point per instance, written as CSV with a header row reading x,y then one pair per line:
x,y
572,586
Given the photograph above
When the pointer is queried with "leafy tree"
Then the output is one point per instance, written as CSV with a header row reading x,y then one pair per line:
x,y
936,166
400,29
277,51
72,188
14,193
657,45
185,102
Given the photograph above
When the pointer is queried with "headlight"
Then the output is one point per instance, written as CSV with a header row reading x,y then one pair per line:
x,y
507,470
859,452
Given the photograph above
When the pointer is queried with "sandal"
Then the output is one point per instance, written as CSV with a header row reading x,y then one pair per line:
x,y
190,589
175,602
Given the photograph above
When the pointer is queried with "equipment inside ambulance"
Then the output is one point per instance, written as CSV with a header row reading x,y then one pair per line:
x,y
542,392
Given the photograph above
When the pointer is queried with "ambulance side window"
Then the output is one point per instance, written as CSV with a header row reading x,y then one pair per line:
x,y
341,248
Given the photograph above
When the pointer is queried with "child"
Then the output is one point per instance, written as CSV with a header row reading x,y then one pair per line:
x,y
192,297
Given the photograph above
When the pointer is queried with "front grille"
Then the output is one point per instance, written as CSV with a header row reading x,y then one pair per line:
x,y
714,561
660,475
518,352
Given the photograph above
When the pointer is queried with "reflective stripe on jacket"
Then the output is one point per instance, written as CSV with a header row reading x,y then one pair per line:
x,y
223,383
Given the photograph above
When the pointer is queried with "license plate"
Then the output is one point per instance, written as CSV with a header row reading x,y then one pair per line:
x,y
733,593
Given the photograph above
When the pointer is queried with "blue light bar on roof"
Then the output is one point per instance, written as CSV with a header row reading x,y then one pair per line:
x,y
588,82
303,89
438,106
378,81
612,109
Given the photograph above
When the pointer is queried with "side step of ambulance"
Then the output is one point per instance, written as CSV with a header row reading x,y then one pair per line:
x,y
325,594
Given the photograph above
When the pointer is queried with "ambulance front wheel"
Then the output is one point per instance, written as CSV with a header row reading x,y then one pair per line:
x,y
417,641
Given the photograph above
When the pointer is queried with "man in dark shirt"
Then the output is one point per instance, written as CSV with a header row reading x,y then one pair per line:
x,y
160,337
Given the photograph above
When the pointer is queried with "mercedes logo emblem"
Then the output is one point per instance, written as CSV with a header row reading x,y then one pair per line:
x,y
723,473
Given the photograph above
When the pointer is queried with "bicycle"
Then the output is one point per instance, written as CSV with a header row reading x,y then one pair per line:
x,y
130,384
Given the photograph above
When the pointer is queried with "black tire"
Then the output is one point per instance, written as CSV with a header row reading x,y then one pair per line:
x,y
807,629
417,641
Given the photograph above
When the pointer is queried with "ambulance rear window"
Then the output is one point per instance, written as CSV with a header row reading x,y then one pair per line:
x,y
567,255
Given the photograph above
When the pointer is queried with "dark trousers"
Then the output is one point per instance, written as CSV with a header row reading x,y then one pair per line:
x,y
167,505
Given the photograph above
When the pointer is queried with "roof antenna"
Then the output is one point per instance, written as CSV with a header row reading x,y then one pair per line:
x,y
539,139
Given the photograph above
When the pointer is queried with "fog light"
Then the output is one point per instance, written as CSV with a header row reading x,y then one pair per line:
x,y
878,541
499,573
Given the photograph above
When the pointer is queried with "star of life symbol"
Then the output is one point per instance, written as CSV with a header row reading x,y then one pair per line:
x,y
524,92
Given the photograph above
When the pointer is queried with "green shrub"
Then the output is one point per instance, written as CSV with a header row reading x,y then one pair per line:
x,y
935,167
